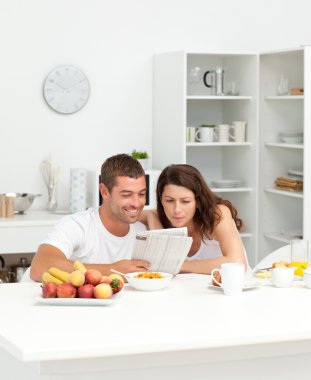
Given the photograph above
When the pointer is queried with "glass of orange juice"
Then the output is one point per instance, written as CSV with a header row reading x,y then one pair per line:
x,y
299,256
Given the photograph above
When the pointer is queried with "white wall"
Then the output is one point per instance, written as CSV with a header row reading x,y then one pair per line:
x,y
113,42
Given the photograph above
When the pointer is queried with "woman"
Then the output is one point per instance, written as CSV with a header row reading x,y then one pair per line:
x,y
185,200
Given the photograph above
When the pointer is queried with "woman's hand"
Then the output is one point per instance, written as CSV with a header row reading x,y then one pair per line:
x,y
150,219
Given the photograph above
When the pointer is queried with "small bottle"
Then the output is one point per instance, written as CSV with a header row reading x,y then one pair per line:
x,y
3,206
21,268
9,207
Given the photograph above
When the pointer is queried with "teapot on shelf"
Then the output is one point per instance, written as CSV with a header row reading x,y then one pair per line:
x,y
217,80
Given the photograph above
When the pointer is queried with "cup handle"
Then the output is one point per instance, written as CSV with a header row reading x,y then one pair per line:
x,y
204,79
196,136
230,135
212,274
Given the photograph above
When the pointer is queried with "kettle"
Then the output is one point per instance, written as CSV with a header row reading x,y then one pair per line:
x,y
217,80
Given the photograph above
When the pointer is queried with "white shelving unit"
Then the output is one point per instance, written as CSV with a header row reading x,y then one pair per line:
x,y
283,211
180,102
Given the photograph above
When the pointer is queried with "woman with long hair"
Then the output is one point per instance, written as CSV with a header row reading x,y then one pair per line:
x,y
185,200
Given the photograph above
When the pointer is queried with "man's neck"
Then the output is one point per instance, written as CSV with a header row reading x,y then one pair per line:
x,y
112,224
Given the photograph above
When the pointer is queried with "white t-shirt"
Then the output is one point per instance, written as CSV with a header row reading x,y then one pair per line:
x,y
82,236
209,249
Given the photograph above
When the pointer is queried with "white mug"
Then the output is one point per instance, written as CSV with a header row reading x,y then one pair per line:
x,y
239,131
223,132
232,278
204,134
282,277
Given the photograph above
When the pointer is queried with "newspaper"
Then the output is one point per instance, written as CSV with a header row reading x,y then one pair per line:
x,y
166,249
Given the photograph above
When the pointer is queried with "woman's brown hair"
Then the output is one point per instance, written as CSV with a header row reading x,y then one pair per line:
x,y
207,214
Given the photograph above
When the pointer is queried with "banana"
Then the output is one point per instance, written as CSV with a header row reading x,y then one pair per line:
x,y
47,277
60,274
77,265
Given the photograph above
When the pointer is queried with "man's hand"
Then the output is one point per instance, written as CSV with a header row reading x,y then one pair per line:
x,y
127,266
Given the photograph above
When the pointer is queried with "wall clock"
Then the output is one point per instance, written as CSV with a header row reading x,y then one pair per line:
x,y
66,89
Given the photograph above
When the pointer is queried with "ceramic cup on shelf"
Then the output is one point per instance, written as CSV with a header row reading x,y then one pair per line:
x,y
205,133
191,134
238,129
232,278
223,132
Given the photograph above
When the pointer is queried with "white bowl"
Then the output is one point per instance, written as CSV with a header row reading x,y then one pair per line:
x,y
292,139
148,284
291,134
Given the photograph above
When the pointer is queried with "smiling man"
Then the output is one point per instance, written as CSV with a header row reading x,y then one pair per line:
x,y
102,238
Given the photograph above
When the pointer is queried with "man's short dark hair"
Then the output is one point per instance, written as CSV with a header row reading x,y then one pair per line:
x,y
120,165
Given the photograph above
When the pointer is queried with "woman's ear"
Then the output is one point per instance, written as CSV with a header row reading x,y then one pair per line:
x,y
104,192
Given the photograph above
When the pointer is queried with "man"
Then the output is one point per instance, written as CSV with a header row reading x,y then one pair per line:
x,y
102,238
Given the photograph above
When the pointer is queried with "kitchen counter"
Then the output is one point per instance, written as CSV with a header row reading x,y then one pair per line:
x,y
186,331
23,233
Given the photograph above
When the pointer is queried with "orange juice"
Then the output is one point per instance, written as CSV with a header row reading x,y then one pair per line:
x,y
300,265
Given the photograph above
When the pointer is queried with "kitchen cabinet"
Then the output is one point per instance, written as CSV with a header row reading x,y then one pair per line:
x,y
24,232
182,100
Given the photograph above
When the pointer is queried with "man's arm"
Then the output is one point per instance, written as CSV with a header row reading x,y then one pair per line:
x,y
49,256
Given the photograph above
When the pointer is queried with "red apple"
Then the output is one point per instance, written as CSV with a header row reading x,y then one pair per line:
x,y
66,290
86,291
106,280
116,285
49,290
93,276
103,291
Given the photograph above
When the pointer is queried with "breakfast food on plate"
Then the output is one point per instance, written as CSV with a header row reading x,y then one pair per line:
x,y
80,283
279,264
217,276
150,275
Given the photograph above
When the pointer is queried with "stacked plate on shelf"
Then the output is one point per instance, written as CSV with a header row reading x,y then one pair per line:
x,y
295,174
291,137
227,183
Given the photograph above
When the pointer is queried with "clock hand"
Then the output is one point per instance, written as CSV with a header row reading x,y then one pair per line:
x,y
60,86
75,85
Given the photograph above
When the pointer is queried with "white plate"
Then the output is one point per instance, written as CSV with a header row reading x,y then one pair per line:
x,y
295,172
224,183
246,287
76,301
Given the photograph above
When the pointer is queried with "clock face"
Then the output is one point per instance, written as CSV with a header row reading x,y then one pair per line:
x,y
66,89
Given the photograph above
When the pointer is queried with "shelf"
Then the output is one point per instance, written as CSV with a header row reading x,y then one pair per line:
x,y
285,97
214,144
277,237
293,194
285,145
231,189
245,235
211,97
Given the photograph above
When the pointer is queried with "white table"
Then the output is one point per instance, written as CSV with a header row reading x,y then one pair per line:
x,y
188,330
24,232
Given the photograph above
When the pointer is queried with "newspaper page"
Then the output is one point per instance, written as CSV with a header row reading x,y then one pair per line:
x,y
166,249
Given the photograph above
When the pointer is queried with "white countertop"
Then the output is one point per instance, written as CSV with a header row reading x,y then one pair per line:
x,y
32,218
187,316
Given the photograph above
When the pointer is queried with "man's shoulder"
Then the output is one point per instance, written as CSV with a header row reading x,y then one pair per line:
x,y
81,217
